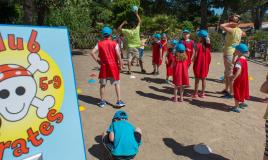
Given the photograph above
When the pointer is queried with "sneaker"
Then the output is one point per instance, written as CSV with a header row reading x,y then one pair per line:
x,y
228,96
235,110
120,103
243,105
102,103
167,81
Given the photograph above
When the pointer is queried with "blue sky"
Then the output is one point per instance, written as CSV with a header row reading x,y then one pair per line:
x,y
218,11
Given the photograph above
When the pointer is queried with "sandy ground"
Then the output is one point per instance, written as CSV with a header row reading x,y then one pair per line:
x,y
171,129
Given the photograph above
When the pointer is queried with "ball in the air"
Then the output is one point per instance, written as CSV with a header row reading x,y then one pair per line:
x,y
135,8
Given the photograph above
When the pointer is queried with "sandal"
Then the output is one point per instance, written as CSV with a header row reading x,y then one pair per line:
x,y
202,95
194,96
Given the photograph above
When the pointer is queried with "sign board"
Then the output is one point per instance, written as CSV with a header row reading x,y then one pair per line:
x,y
39,112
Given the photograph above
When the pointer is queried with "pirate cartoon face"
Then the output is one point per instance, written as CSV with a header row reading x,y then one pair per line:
x,y
18,90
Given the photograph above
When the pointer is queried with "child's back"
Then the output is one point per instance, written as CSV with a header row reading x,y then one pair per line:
x,y
125,143
202,60
107,52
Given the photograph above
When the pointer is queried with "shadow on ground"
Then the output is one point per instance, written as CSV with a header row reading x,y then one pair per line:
x,y
92,100
153,80
153,96
98,150
210,105
187,151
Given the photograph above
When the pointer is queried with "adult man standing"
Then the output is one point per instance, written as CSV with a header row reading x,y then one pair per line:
x,y
133,38
233,37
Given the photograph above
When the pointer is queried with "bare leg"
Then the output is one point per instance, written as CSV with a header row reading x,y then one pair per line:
x,y
102,90
196,86
117,90
203,86
226,83
236,104
181,93
167,78
154,66
129,66
175,94
157,68
231,86
141,65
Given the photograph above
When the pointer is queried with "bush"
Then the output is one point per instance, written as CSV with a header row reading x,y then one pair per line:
x,y
216,41
159,23
260,35
187,25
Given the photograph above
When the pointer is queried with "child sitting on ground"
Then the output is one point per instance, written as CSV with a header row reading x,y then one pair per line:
x,y
122,139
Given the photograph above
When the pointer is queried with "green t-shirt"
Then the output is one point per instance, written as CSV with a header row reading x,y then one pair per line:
x,y
133,37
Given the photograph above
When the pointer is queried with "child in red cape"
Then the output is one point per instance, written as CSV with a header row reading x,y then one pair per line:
x,y
240,77
180,71
201,62
164,43
157,53
109,59
170,59
189,45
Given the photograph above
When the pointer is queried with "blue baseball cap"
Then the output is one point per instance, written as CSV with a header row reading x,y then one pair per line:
x,y
106,31
186,31
158,36
120,115
242,47
202,33
164,35
174,42
180,48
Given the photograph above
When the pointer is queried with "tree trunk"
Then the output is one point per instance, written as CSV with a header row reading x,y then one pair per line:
x,y
258,15
28,7
41,15
204,12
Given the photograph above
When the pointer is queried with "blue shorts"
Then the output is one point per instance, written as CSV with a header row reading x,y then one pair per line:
x,y
141,53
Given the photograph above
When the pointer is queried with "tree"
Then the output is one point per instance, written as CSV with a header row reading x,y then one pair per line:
x,y
258,10
42,8
204,14
122,10
10,12
28,8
